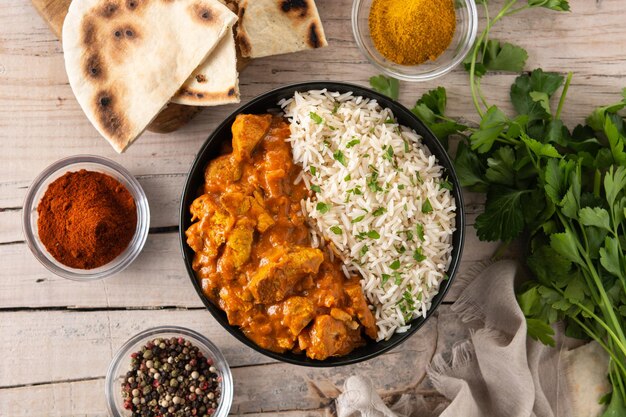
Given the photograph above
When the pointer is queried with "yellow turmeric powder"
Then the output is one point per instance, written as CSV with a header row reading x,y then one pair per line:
x,y
410,32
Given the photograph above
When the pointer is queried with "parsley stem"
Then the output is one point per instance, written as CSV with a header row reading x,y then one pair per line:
x,y
563,94
598,339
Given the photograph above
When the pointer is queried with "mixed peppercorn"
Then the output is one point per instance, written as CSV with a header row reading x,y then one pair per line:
x,y
171,378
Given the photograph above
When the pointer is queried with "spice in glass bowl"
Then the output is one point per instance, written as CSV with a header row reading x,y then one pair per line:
x,y
171,377
410,32
86,219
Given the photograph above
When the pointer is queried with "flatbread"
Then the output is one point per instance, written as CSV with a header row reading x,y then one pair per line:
x,y
216,80
273,27
126,58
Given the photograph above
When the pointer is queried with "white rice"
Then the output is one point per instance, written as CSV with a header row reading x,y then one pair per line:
x,y
397,295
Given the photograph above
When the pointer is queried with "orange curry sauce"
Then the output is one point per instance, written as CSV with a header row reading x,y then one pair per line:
x,y
254,256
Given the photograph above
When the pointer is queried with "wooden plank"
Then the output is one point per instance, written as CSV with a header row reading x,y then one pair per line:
x,y
80,346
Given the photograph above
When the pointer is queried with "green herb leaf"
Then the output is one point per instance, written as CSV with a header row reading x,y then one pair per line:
x,y
379,211
610,256
503,218
352,143
558,5
595,216
502,166
313,170
315,188
339,157
316,118
469,169
565,245
537,81
323,208
430,108
541,331
492,125
347,177
388,86
498,56
385,278
357,219
540,149
446,185
418,255
373,234
363,250
336,106
427,207
336,230
420,231
395,265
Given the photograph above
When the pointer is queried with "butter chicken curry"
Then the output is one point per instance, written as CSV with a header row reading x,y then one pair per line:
x,y
253,252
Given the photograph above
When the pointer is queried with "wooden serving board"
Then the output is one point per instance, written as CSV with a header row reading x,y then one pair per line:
x,y
171,118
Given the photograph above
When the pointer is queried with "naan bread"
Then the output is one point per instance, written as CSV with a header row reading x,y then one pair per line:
x,y
126,58
216,80
273,27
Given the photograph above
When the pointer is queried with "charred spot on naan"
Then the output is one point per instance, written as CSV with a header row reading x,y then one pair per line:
x,y
110,118
202,13
201,78
93,67
135,5
88,33
109,9
315,36
299,8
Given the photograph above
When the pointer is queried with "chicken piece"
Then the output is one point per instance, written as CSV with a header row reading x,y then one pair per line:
x,y
329,337
361,309
209,233
339,314
201,207
264,219
238,247
297,314
275,279
220,172
236,309
248,130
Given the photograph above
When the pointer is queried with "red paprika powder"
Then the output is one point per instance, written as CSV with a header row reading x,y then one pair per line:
x,y
86,219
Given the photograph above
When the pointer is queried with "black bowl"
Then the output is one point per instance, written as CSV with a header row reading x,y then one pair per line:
x,y
262,104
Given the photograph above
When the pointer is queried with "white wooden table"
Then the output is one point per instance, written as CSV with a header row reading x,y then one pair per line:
x,y
57,336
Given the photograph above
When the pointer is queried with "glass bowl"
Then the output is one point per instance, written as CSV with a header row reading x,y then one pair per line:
x,y
90,163
464,36
121,364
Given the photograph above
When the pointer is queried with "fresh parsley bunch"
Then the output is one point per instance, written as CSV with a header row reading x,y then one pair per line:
x,y
562,190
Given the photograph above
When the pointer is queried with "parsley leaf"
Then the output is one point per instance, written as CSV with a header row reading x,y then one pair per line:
x,y
492,125
315,188
339,157
313,170
373,234
537,81
503,218
379,211
430,108
498,56
420,231
352,143
388,86
357,219
418,256
316,118
336,230
395,265
427,207
323,208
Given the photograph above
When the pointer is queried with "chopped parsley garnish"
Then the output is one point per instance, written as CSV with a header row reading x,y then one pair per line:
x,y
352,143
336,230
389,120
400,186
385,278
395,265
364,250
336,107
401,249
418,255
356,191
315,188
388,155
420,231
379,211
338,156
313,170
316,118
398,278
347,177
372,182
358,219
373,234
409,236
446,185
406,146
322,207
427,207
332,127
418,177
327,144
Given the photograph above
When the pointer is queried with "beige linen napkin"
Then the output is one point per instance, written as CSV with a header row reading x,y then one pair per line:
x,y
498,372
